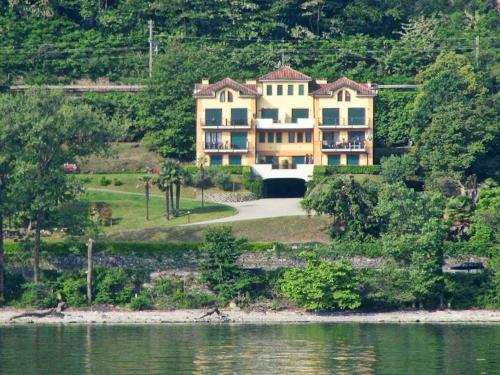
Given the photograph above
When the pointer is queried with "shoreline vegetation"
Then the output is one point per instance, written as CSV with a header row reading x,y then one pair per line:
x,y
122,316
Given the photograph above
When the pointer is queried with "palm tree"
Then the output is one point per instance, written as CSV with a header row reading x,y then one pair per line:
x,y
164,185
146,182
173,173
201,162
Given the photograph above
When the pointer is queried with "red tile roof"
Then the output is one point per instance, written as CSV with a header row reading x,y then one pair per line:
x,y
327,90
202,90
285,73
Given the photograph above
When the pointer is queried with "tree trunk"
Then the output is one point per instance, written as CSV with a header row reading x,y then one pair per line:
x,y
167,203
146,188
171,188
90,266
177,198
2,272
36,250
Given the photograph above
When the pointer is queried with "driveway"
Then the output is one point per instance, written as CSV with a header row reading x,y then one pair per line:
x,y
261,209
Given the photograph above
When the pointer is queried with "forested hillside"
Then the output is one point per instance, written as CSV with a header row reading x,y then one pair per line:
x,y
386,41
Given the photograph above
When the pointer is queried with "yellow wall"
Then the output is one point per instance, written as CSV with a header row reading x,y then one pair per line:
x,y
286,102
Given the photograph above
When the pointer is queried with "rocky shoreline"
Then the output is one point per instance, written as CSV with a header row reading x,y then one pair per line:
x,y
72,316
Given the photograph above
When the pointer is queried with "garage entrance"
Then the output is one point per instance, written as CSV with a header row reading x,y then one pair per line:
x,y
284,188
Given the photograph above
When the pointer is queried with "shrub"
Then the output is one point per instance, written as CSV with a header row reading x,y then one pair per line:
x,y
321,171
253,184
141,302
117,182
223,181
398,168
113,286
39,295
75,290
104,181
322,285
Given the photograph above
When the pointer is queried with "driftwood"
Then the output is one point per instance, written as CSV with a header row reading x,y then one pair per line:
x,y
56,312
216,311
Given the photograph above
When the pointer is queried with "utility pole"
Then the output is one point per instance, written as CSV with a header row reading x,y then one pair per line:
x,y
150,23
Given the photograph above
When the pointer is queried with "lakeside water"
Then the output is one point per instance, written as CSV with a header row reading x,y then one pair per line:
x,y
257,349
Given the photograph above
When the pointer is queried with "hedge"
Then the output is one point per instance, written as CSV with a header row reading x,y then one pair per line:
x,y
252,183
329,170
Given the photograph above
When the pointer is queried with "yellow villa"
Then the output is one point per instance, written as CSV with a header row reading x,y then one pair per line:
x,y
285,119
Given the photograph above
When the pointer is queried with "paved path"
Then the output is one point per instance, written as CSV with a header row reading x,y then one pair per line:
x,y
261,209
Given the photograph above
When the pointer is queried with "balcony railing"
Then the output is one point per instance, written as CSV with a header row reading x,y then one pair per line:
x,y
227,123
358,146
359,123
215,147
269,123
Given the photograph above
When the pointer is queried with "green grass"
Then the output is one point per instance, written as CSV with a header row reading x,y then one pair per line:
x,y
129,210
290,229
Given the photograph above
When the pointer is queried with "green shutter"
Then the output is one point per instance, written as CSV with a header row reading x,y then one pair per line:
x,y
352,159
234,159
279,137
239,140
216,160
299,113
239,116
269,90
290,89
330,116
356,116
213,116
262,137
270,113
333,159
301,89
279,90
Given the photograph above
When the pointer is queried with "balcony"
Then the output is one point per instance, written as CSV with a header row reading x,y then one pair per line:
x,y
227,124
346,124
220,148
352,146
269,124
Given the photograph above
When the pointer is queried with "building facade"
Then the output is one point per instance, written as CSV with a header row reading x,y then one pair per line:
x,y
285,118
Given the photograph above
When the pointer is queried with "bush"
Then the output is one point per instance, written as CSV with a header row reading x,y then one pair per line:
x,y
141,302
223,181
113,286
253,184
321,171
322,285
398,168
74,289
171,293
117,182
104,181
40,296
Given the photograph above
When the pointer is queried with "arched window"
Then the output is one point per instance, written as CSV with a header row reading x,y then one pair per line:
x,y
347,96
229,96
339,96
222,97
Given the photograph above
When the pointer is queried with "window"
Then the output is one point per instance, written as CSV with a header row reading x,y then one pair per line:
x,y
239,116
213,116
291,137
347,96
222,97
270,137
333,159
269,90
308,136
330,116
352,159
270,113
213,140
216,160
297,160
239,140
279,137
339,96
290,90
229,96
279,90
301,89
356,116
299,113
300,137
262,137
234,159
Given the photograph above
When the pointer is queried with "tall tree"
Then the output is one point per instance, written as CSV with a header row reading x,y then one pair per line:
x,y
56,132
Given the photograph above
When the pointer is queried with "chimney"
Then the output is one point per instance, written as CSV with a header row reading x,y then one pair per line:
x,y
321,81
369,84
205,81
251,82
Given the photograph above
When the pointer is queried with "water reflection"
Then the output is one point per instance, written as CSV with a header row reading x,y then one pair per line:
x,y
260,349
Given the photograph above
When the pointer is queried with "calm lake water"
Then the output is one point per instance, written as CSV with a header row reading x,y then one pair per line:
x,y
256,349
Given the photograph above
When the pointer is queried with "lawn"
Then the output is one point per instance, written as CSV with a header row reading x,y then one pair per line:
x,y
290,229
129,210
